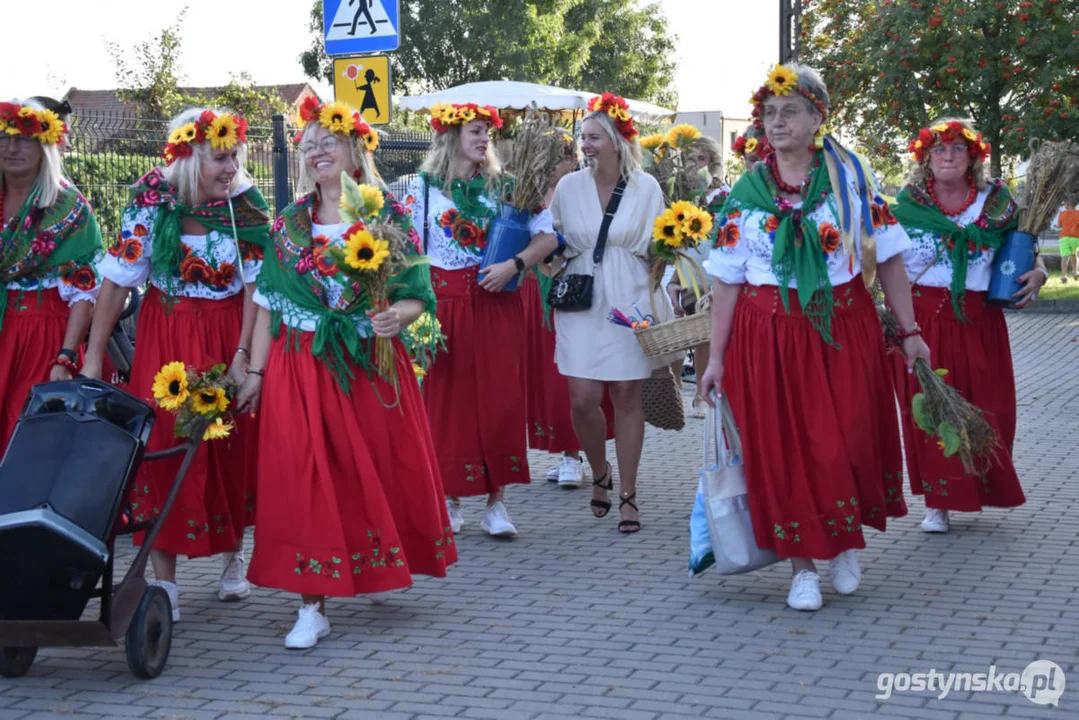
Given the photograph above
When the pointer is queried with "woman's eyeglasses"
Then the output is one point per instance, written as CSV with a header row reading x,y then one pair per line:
x,y
326,145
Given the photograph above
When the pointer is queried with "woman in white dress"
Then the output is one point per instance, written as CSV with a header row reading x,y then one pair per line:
x,y
591,352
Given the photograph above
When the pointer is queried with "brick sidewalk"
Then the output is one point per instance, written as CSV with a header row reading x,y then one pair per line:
x,y
574,620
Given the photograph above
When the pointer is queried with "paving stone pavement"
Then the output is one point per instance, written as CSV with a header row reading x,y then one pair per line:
x,y
572,619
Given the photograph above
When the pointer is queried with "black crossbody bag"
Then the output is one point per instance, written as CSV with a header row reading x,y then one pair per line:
x,y
573,292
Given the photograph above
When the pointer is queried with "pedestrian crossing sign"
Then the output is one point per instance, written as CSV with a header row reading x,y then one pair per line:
x,y
365,83
353,27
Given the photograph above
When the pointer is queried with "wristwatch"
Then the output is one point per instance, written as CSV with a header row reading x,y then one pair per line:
x,y
69,354
519,263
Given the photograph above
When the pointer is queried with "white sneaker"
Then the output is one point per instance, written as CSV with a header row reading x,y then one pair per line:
x,y
174,597
496,521
457,520
553,473
805,591
844,573
310,627
570,473
233,584
936,521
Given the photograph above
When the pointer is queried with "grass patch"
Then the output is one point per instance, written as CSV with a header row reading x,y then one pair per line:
x,y
1057,290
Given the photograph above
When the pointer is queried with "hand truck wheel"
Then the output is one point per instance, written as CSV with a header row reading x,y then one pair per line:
x,y
149,637
16,661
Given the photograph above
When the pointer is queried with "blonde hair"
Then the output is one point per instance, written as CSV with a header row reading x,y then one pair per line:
x,y
441,161
185,172
921,172
50,175
629,152
715,158
305,183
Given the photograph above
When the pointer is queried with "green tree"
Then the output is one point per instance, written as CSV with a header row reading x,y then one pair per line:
x,y
242,95
150,82
893,66
613,45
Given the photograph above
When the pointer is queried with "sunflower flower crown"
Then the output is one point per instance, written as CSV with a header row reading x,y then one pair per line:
x,y
781,82
751,146
949,132
337,117
44,126
446,115
618,110
223,132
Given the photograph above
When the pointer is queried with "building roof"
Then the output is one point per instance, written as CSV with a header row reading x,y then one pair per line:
x,y
107,101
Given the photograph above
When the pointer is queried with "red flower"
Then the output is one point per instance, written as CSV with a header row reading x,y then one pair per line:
x,y
131,250
84,279
739,146
117,247
771,224
309,109
829,237
241,128
224,275
251,252
360,126
206,117
466,233
446,220
195,270
728,236
733,214
318,242
324,264
186,250
139,230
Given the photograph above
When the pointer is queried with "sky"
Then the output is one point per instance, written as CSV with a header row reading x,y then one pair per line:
x,y
722,55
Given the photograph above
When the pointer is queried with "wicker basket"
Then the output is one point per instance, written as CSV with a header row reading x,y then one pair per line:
x,y
681,333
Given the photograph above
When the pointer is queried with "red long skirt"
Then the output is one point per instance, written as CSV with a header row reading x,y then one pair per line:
x,y
30,340
475,392
978,358
217,499
350,497
550,426
818,424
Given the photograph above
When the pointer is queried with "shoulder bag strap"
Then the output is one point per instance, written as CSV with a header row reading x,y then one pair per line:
x,y
608,216
426,211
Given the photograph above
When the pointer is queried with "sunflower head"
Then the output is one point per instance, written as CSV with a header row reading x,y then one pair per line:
x,y
209,400
680,136
222,132
217,430
363,251
336,117
652,142
170,386
52,128
781,80
667,230
373,200
697,225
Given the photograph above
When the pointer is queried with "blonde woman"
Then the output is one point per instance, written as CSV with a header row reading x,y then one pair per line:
x,y
591,352
49,242
195,230
475,393
705,153
351,501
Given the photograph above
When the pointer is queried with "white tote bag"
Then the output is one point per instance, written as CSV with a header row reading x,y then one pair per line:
x,y
723,484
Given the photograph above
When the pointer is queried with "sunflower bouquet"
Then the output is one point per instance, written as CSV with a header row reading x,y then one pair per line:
x,y
196,396
959,426
665,158
374,252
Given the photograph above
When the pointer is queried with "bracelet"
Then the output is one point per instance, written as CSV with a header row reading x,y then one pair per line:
x,y
260,373
243,350
69,354
1043,271
913,332
519,263
64,362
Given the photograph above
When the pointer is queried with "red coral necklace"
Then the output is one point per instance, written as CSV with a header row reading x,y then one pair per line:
x,y
971,197
789,189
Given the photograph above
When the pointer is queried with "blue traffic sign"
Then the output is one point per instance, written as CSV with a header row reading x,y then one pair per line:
x,y
355,27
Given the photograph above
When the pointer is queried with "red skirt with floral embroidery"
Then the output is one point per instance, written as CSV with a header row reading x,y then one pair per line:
x,y
350,497
818,423
475,392
549,424
978,358
217,499
30,340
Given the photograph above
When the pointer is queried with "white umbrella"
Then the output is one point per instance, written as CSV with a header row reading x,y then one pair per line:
x,y
511,95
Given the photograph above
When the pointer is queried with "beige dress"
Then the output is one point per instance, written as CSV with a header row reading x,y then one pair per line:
x,y
588,345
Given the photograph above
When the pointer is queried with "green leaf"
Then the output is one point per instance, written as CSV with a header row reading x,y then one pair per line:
x,y
351,199
917,409
941,372
950,436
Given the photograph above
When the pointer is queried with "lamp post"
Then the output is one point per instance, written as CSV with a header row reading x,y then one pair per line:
x,y
790,36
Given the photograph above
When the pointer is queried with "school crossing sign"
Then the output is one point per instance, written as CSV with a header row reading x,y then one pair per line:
x,y
355,27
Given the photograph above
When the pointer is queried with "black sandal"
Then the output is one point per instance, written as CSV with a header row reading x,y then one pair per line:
x,y
628,527
604,505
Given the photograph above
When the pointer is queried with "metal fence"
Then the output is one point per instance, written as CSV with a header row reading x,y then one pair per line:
x,y
107,152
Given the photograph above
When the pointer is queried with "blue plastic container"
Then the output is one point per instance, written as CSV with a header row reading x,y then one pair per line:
x,y
1014,259
507,236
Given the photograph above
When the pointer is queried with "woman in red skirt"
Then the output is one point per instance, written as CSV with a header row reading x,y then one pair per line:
x,y
550,427
196,231
796,343
475,392
49,242
956,220
350,500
